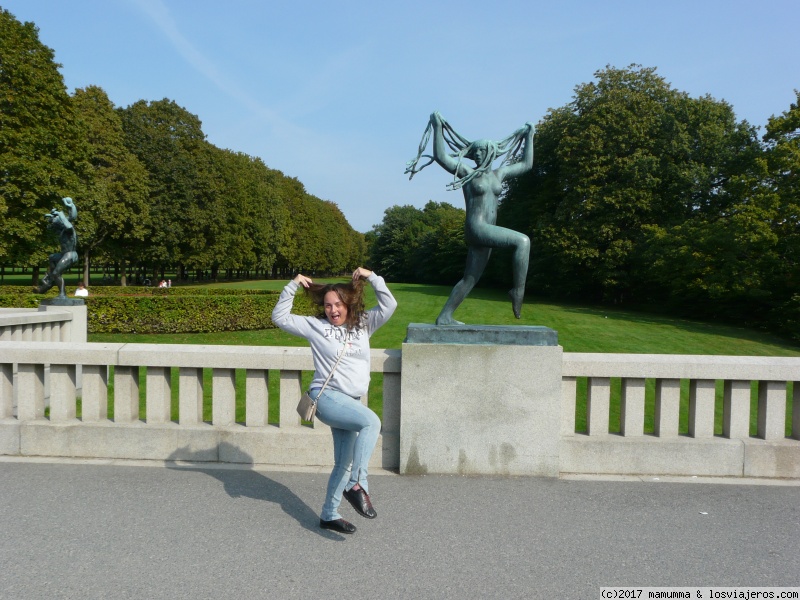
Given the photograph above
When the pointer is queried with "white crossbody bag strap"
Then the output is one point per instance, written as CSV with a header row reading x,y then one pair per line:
x,y
324,385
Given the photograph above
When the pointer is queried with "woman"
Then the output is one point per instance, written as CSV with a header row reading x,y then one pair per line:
x,y
345,327
482,187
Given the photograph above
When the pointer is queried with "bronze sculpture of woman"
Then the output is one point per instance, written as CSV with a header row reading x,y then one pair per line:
x,y
482,186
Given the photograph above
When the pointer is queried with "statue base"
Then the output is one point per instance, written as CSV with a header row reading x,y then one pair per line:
x,y
502,335
481,400
57,301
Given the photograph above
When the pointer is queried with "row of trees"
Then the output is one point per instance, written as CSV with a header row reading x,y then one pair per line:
x,y
641,194
151,191
419,245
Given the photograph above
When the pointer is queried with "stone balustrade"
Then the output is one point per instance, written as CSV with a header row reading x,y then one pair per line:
x,y
129,408
740,383
32,325
134,375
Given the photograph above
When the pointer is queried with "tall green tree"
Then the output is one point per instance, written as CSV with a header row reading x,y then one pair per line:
x,y
186,224
420,245
257,216
627,155
42,155
396,243
114,210
782,138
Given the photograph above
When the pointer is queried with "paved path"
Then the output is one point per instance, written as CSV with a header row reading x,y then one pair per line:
x,y
88,531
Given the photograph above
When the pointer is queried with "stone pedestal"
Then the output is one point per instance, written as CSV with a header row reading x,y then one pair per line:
x,y
480,400
76,331
78,328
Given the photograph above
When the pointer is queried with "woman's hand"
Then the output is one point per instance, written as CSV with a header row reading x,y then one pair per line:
x,y
361,272
302,280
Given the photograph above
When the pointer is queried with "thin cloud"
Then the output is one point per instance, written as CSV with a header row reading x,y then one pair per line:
x,y
161,17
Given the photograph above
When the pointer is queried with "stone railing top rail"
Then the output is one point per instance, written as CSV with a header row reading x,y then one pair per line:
x,y
179,355
23,316
681,366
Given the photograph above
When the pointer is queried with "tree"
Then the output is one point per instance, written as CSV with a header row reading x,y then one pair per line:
x,y
186,215
42,156
258,218
115,209
782,138
629,156
323,241
422,246
396,243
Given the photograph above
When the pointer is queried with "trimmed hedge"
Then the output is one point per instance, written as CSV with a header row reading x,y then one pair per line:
x,y
169,310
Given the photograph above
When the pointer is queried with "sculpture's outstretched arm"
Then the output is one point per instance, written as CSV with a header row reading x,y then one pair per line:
x,y
526,164
71,208
440,154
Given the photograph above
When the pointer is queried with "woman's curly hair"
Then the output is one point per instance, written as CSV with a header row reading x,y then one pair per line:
x,y
351,293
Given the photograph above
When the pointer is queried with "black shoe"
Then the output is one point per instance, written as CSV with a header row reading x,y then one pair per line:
x,y
361,502
339,525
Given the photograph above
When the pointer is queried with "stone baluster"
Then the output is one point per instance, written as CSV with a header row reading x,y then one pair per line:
x,y
291,390
796,410
632,407
30,394
702,395
390,430
598,405
62,393
391,403
158,407
736,409
223,397
126,394
94,393
667,414
772,410
6,390
190,396
569,393
256,397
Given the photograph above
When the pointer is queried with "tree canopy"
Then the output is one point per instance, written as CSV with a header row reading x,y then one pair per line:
x,y
425,246
152,191
42,154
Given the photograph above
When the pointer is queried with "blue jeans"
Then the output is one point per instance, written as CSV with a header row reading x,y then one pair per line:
x,y
355,430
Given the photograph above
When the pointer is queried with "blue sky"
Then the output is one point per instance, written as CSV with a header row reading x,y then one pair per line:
x,y
338,94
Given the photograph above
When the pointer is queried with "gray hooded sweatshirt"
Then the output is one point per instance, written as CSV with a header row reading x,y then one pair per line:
x,y
327,341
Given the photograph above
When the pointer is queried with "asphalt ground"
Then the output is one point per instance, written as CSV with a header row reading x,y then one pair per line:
x,y
96,530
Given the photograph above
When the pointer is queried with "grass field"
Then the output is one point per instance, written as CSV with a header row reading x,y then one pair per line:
x,y
580,328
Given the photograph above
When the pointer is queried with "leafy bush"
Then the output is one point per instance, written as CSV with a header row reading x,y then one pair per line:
x,y
172,310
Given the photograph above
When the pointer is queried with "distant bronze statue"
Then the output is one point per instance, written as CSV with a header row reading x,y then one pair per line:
x,y
482,186
59,262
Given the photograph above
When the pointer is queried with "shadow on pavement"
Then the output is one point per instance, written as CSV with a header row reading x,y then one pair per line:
x,y
240,483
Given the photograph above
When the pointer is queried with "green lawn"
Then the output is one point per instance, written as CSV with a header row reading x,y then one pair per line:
x,y
580,329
